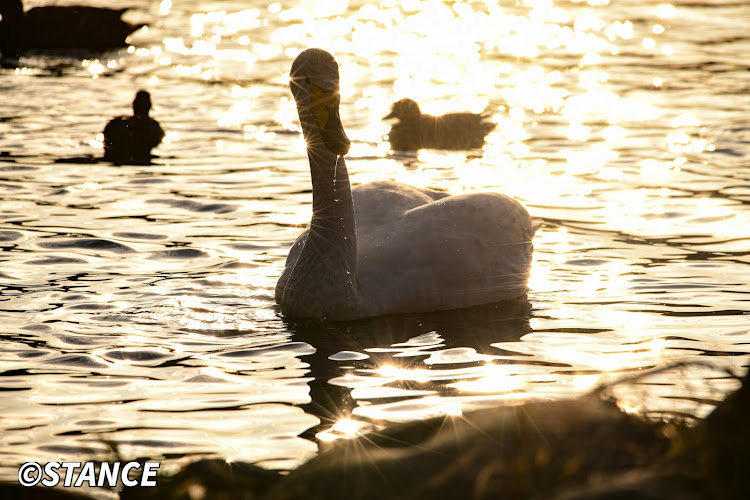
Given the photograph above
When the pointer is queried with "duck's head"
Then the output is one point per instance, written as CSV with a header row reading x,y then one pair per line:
x,y
314,81
405,109
142,103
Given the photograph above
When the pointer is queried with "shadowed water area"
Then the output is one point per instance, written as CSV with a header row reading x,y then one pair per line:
x,y
136,302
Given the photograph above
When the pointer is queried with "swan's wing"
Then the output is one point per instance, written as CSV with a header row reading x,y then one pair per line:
x,y
380,202
434,195
455,252
375,204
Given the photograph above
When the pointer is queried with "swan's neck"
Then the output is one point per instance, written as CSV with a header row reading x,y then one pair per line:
x,y
323,281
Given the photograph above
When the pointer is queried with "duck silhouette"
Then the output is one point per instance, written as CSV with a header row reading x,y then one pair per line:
x,y
130,139
384,247
416,130
61,27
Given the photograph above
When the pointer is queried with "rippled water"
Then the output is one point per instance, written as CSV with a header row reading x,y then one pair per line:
x,y
136,302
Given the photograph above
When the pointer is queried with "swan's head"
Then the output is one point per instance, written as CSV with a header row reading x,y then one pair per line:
x,y
314,81
142,103
405,109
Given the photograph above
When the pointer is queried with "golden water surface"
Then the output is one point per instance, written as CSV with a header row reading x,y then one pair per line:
x,y
136,302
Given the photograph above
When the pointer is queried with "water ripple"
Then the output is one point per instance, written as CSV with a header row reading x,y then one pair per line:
x,y
95,244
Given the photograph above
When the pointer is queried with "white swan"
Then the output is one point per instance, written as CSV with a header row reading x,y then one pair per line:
x,y
384,247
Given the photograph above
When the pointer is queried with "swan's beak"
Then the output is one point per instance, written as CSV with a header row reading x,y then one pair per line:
x,y
389,116
325,109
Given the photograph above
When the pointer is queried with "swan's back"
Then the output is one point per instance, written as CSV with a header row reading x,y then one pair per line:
x,y
442,252
380,202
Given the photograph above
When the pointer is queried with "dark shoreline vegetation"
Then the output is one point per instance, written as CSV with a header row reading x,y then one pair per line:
x,y
578,449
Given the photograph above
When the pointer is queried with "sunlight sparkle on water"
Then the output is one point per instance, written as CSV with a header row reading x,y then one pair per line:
x,y
224,23
164,7
241,112
665,11
344,428
685,120
94,66
191,313
495,379
213,372
394,372
286,115
86,186
434,54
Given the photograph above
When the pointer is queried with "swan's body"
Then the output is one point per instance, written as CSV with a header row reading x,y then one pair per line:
x,y
384,247
130,139
61,27
415,130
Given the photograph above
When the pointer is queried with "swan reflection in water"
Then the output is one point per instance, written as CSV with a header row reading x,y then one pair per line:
x,y
384,342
